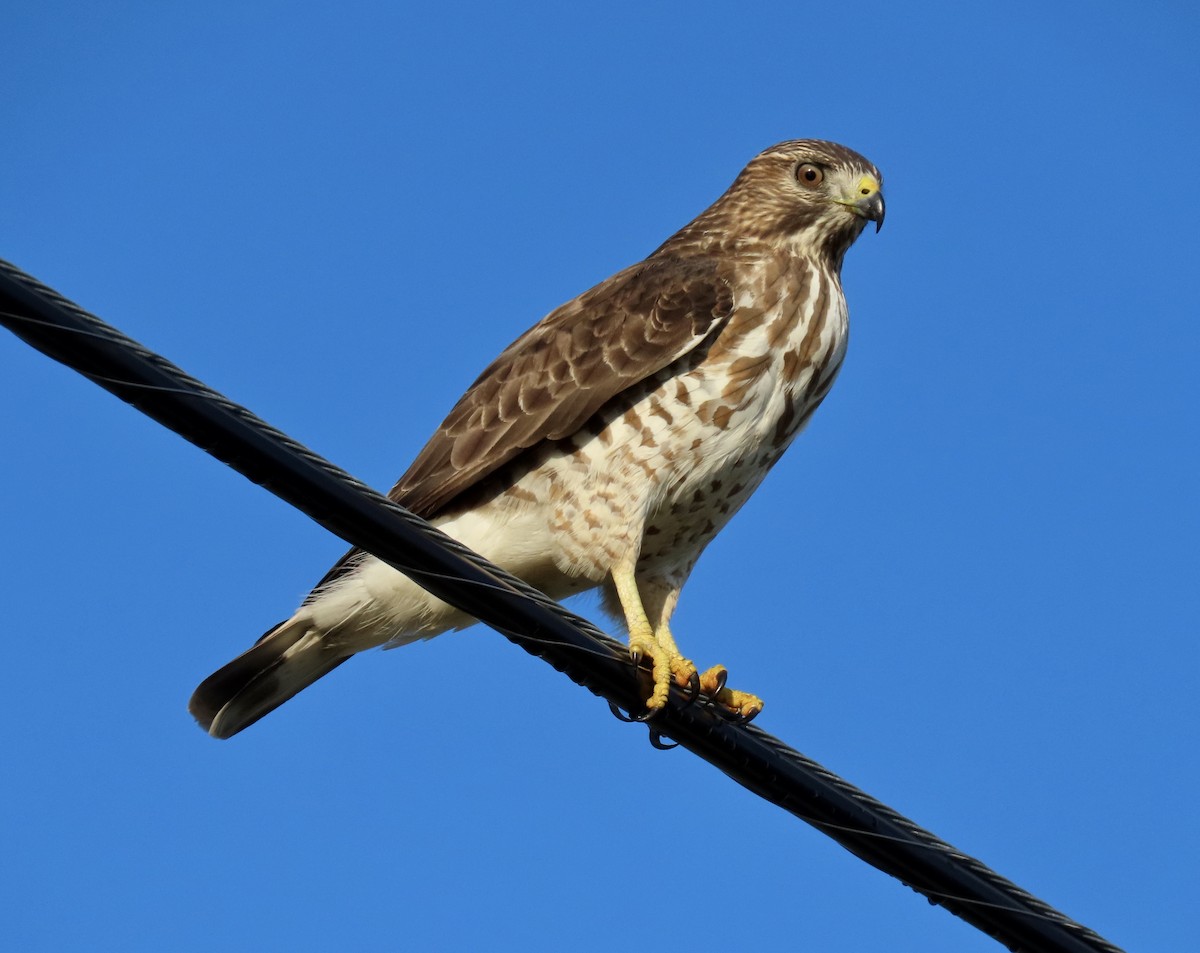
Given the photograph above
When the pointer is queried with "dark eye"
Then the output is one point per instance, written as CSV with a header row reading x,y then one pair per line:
x,y
810,175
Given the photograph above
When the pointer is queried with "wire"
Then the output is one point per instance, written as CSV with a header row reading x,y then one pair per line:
x,y
364,518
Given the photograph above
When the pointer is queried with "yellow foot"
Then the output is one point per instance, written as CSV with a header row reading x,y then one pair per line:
x,y
742,704
666,669
684,674
641,647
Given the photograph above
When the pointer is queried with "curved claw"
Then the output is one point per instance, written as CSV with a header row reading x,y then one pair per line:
x,y
692,692
722,678
635,656
632,718
657,742
618,714
744,718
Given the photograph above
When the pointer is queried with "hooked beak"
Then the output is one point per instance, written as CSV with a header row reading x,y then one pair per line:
x,y
867,200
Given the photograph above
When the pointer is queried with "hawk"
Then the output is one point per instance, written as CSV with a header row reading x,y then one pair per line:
x,y
610,443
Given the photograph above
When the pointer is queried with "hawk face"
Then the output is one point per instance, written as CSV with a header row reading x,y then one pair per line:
x,y
816,193
805,196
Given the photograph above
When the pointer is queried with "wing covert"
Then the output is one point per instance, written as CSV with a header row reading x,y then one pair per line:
x,y
559,373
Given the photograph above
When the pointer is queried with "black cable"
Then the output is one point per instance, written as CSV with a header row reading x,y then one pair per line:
x,y
364,518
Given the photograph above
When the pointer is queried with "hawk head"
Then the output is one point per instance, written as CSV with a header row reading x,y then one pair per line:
x,y
806,195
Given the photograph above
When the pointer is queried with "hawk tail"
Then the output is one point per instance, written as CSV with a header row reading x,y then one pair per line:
x,y
286,660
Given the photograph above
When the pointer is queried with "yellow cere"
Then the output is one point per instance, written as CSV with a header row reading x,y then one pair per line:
x,y
867,185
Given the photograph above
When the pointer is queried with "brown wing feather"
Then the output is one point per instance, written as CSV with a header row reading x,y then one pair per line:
x,y
552,379
559,373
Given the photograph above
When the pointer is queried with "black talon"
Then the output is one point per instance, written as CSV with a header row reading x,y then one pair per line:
x,y
636,657
744,718
692,692
657,742
632,718
618,714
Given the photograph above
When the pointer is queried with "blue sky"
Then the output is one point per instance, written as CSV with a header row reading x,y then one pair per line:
x,y
970,587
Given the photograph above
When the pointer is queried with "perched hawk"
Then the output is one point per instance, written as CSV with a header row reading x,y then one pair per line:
x,y
610,443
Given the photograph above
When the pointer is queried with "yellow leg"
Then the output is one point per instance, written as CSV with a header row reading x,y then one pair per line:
x,y
642,642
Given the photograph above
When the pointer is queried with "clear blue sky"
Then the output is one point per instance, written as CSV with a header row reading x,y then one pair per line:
x,y
970,587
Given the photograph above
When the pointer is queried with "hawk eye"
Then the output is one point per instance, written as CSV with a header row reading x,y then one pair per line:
x,y
810,175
